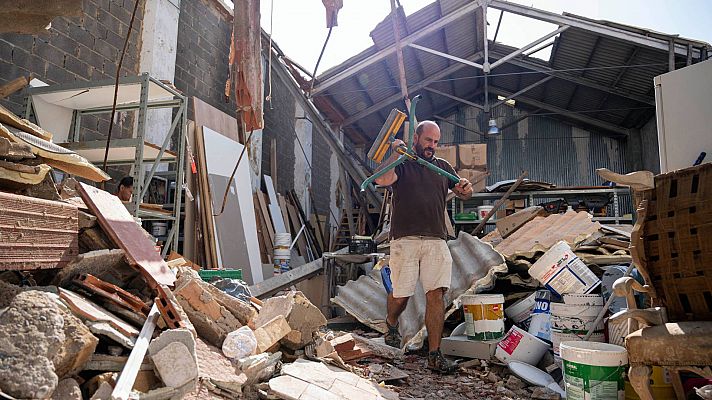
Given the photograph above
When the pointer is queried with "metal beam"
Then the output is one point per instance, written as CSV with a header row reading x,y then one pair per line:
x,y
526,89
587,25
382,54
411,89
575,79
581,118
529,46
449,96
445,55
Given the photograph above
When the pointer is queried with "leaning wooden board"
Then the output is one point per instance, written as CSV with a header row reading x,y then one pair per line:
x,y
121,228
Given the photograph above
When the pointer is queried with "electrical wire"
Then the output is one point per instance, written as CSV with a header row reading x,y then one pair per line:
x,y
318,61
269,62
116,85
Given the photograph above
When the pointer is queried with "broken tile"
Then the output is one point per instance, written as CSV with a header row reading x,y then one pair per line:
x,y
271,332
175,365
288,387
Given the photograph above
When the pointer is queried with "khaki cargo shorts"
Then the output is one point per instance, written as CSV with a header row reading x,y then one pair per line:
x,y
414,257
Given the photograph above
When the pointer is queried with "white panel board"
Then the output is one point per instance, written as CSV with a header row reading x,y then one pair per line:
x,y
236,229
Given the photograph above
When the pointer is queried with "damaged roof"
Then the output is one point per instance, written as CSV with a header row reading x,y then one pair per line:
x,y
594,65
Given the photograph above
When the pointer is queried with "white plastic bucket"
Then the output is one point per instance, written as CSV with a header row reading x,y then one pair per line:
x,y
540,325
484,315
594,371
159,228
575,318
482,211
520,345
557,337
562,272
521,311
282,254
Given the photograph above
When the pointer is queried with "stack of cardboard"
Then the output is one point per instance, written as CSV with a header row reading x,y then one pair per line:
x,y
511,207
470,162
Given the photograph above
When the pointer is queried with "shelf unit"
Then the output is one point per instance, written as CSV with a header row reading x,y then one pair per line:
x,y
59,109
529,196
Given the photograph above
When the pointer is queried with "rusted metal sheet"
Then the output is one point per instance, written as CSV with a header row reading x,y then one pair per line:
x,y
121,228
540,234
36,233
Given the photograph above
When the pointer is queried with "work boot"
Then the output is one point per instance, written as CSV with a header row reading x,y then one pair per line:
x,y
438,363
393,338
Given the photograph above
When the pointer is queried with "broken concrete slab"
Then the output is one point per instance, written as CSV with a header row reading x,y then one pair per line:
x,y
104,392
211,320
88,310
67,389
259,367
31,332
172,335
107,265
175,365
103,328
303,317
304,379
272,332
243,311
78,346
216,371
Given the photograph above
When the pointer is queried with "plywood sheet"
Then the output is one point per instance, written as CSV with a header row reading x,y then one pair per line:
x,y
36,233
121,228
235,228
540,234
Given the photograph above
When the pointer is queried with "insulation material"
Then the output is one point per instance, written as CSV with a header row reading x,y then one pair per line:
x,y
540,234
22,174
475,264
36,233
248,63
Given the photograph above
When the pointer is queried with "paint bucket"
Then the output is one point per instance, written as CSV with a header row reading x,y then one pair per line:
x,y
583,299
541,316
557,337
282,253
661,387
520,345
484,314
575,318
482,212
521,311
562,271
159,228
594,371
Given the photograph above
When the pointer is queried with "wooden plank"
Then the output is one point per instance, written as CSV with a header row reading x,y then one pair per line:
x,y
266,216
191,220
499,203
37,233
283,210
9,118
273,285
14,85
262,235
207,115
273,160
206,204
93,312
121,228
123,387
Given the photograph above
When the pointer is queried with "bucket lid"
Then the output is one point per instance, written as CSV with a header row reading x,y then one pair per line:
x,y
593,353
483,299
535,376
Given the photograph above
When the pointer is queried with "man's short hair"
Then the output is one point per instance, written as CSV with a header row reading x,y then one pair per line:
x,y
421,126
126,181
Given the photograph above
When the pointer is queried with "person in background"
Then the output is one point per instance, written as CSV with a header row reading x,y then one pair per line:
x,y
125,189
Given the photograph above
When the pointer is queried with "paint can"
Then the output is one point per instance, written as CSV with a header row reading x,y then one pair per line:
x,y
159,228
558,337
584,299
282,253
594,371
540,325
520,345
521,312
482,212
484,314
562,271
575,318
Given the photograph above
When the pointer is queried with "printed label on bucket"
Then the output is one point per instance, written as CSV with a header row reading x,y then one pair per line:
x,y
511,341
591,382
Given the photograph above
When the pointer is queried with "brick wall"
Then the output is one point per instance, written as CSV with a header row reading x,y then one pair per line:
x,y
204,30
279,124
321,173
76,49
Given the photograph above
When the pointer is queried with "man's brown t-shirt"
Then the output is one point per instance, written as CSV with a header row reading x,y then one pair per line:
x,y
419,200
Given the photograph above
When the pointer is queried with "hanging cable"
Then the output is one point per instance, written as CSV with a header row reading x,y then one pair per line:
x,y
116,86
232,176
318,61
269,62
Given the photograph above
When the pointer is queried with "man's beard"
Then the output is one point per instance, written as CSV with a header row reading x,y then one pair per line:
x,y
420,150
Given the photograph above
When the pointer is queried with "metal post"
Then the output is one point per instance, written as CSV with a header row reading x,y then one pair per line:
x,y
76,132
616,213
180,173
140,132
671,55
164,147
485,65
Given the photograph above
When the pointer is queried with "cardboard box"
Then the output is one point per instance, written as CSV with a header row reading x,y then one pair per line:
x,y
519,203
461,346
448,153
476,177
472,156
499,214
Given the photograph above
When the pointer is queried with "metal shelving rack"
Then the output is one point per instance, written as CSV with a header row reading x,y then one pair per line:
x,y
553,193
60,108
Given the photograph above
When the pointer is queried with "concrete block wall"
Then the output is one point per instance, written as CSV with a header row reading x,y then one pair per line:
x,y
204,30
83,48
280,125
